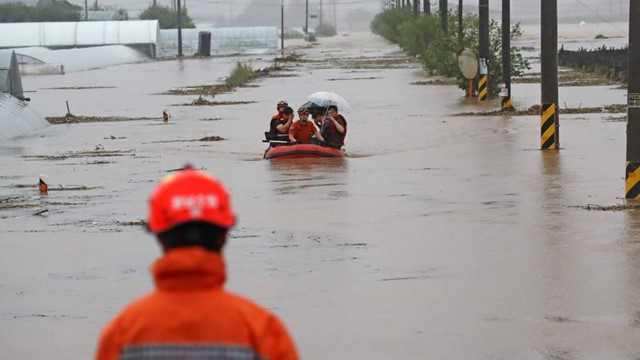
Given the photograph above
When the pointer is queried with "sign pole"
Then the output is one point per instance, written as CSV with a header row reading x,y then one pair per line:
x,y
633,105
549,119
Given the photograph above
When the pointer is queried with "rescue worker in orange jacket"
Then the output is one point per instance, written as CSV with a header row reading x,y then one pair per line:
x,y
303,129
190,315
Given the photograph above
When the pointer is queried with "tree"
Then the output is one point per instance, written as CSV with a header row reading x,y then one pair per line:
x,y
15,12
441,56
421,36
167,18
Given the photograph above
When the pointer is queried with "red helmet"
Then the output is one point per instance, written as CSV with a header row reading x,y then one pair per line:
x,y
186,196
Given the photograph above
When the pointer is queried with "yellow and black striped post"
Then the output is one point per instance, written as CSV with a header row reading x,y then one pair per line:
x,y
507,104
482,88
550,120
548,128
632,188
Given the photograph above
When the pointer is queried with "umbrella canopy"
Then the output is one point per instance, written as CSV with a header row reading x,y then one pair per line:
x,y
326,98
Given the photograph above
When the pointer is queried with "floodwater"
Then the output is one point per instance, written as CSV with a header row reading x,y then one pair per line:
x,y
439,237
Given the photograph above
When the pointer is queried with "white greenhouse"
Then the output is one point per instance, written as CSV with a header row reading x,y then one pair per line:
x,y
141,35
16,117
224,41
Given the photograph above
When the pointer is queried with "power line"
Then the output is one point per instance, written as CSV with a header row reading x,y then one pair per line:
x,y
601,17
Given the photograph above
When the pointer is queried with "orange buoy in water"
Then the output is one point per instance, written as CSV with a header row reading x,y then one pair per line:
x,y
43,187
165,116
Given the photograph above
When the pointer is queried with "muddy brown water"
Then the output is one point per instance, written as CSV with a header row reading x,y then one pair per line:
x,y
439,237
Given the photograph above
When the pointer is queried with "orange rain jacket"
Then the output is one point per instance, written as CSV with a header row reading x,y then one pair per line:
x,y
190,316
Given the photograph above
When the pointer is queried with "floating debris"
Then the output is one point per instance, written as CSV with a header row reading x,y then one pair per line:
x,y
138,222
356,78
79,87
201,101
446,81
212,138
536,110
80,154
293,57
44,212
206,138
617,207
73,119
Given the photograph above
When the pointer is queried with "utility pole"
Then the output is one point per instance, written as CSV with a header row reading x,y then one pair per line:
x,y
507,104
549,121
416,7
443,16
179,30
320,20
306,21
633,104
335,15
427,7
154,3
282,28
460,20
484,50
86,11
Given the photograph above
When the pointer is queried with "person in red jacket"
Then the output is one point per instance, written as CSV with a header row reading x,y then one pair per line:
x,y
333,126
339,122
190,315
303,129
280,106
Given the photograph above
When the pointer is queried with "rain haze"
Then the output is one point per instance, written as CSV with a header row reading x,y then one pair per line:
x,y
267,12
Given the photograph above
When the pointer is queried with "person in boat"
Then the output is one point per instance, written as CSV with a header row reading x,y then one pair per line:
x,y
332,111
303,129
331,128
280,106
190,315
279,129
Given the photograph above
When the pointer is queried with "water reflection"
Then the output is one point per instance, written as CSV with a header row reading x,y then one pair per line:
x,y
290,176
556,262
632,252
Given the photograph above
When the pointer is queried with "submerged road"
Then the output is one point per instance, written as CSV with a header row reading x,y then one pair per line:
x,y
440,237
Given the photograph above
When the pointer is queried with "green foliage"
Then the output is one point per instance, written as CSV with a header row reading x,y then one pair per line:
x,y
240,75
325,30
421,36
16,12
417,33
123,14
387,23
167,18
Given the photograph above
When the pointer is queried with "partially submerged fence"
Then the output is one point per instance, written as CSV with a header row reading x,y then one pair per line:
x,y
608,61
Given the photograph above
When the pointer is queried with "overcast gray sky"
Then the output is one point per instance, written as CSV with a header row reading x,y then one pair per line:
x,y
205,11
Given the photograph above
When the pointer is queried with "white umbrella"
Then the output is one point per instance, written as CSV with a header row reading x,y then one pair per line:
x,y
326,98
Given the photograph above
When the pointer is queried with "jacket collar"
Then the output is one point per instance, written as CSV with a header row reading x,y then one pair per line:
x,y
189,269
